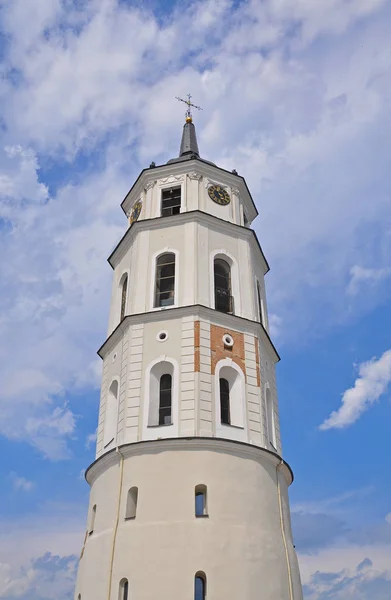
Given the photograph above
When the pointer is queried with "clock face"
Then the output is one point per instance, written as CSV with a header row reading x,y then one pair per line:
x,y
135,212
219,195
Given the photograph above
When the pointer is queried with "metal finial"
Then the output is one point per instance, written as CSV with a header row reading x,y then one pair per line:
x,y
189,103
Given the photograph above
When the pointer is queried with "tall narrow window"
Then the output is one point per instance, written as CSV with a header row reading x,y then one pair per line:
x,y
171,202
259,295
110,426
200,586
131,503
224,402
222,281
270,419
124,292
200,501
165,399
92,520
123,589
165,280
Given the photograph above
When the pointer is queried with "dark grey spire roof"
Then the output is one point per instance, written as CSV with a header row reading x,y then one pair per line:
x,y
189,145
189,140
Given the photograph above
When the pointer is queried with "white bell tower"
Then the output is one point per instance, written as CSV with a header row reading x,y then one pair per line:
x,y
189,493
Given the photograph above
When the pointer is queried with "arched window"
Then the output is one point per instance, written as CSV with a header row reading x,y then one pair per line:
x,y
230,396
110,427
161,394
165,280
131,503
124,292
92,520
201,509
222,286
224,402
260,303
165,399
123,589
200,586
270,419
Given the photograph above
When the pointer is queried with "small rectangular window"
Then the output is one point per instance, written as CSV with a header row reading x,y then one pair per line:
x,y
200,501
171,202
225,402
165,400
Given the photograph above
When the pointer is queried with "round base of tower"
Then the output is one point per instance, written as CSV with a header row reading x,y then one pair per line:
x,y
143,526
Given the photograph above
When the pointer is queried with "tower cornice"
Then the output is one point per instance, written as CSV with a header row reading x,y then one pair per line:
x,y
219,318
212,444
185,217
186,166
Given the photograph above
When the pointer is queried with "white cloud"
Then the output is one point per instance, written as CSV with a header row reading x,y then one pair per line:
x,y
44,565
46,577
91,439
365,578
361,276
275,324
55,528
98,85
21,483
333,504
374,378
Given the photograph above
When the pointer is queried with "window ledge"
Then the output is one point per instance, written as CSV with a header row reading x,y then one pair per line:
x,y
130,518
202,516
155,308
163,425
233,426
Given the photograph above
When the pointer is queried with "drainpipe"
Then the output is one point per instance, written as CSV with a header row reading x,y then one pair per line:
x,y
121,475
288,565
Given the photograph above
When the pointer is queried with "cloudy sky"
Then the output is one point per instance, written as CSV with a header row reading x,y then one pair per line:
x,y
296,95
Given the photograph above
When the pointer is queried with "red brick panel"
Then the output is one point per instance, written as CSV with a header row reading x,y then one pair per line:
x,y
219,351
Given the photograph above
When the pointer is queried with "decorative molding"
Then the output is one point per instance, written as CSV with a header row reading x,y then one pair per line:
x,y
195,175
235,191
198,311
188,166
209,182
221,445
198,216
149,185
171,179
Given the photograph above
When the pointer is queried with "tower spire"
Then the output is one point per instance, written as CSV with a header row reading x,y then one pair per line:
x,y
189,143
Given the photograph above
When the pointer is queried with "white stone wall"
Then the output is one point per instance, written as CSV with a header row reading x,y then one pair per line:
x,y
244,545
195,395
239,546
195,244
188,392
194,179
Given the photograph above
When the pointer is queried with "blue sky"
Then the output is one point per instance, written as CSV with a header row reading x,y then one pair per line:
x,y
296,96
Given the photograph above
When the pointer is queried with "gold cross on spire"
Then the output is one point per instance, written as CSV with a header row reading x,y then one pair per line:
x,y
189,103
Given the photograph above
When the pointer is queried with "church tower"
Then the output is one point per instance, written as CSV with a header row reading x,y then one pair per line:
x,y
189,493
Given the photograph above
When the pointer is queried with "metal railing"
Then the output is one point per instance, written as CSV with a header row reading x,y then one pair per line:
x,y
223,301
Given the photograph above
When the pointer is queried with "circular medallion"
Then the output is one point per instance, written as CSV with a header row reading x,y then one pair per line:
x,y
135,212
219,195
